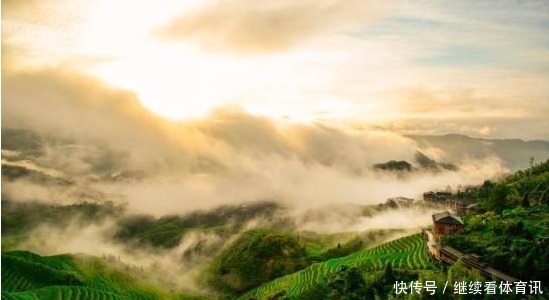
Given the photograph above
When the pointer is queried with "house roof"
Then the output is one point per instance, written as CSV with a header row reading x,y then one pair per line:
x,y
447,218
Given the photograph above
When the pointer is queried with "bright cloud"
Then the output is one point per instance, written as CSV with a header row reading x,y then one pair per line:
x,y
409,65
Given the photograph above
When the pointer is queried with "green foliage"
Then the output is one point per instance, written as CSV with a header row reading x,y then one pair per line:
x,y
525,200
460,272
523,188
347,284
66,293
534,171
498,198
20,217
26,275
388,274
515,242
485,189
25,270
342,250
166,232
512,235
408,253
257,256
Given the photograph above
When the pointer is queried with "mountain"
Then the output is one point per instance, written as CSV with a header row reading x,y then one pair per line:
x,y
314,282
421,163
26,275
514,153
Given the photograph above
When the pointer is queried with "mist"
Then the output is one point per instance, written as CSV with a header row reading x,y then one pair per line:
x,y
102,140
75,140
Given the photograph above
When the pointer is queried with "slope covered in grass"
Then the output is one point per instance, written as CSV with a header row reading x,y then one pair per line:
x,y
404,253
257,256
510,230
26,275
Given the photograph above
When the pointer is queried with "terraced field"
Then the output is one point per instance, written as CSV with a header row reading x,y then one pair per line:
x,y
26,275
407,252
66,293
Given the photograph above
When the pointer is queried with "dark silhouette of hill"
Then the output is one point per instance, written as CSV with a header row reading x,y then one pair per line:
x,y
514,153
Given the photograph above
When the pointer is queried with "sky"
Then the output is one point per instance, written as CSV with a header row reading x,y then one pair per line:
x,y
479,68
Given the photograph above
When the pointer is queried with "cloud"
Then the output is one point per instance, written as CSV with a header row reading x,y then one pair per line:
x,y
435,110
109,146
96,239
70,105
250,26
91,114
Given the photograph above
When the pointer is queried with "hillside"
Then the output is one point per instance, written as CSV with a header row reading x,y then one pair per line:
x,y
511,230
421,163
26,275
514,153
255,257
404,253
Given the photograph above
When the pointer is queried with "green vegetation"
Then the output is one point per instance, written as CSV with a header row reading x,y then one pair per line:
x,y
344,249
166,232
20,217
511,191
260,255
511,232
255,257
405,253
26,275
515,242
321,247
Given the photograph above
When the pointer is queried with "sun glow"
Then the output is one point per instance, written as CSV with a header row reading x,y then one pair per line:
x,y
171,84
121,44
175,80
357,62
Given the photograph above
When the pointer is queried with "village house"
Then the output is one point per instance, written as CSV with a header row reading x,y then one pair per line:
x,y
446,223
461,206
436,196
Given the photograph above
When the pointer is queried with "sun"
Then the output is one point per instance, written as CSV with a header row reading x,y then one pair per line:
x,y
120,44
175,82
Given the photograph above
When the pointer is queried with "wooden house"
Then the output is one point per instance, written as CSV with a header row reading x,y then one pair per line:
x,y
446,223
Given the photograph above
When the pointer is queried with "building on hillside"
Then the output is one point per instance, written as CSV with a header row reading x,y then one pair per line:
x,y
436,196
451,255
460,206
471,209
446,223
398,201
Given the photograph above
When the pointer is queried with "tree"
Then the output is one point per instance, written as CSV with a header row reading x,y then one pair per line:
x,y
460,272
486,189
388,274
544,199
347,284
525,200
498,198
